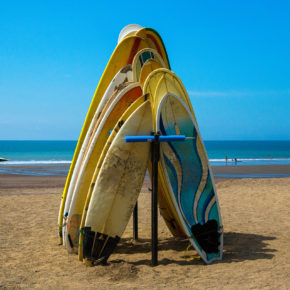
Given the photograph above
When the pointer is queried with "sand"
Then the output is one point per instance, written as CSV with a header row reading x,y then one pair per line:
x,y
256,241
254,171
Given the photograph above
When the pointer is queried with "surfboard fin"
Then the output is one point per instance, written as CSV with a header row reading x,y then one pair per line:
x,y
88,241
70,242
97,247
207,235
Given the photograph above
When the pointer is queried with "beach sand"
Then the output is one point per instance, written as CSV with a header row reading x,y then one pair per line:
x,y
256,241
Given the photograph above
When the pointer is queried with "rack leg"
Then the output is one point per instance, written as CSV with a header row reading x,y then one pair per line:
x,y
135,222
154,215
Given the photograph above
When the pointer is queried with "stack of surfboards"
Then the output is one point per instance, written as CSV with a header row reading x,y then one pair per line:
x,y
137,94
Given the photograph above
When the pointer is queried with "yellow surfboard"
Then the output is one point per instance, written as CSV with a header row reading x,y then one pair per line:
x,y
114,132
155,39
175,85
146,61
150,34
141,58
122,55
149,66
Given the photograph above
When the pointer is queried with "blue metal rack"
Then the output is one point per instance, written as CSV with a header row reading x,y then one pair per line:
x,y
155,140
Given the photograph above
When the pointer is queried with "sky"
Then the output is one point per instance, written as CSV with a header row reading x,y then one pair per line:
x,y
232,56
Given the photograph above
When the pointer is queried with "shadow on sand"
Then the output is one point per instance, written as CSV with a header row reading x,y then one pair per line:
x,y
238,247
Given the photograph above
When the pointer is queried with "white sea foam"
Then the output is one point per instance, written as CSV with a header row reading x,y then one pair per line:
x,y
62,162
36,162
250,159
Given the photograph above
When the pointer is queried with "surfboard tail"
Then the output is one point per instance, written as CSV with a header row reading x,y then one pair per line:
x,y
98,247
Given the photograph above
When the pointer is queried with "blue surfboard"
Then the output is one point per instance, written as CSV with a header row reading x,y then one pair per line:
x,y
189,178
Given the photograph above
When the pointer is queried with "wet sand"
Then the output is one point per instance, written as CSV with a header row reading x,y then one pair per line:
x,y
48,170
256,241
248,170
13,184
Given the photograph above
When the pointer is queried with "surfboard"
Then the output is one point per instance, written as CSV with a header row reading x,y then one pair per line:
x,y
174,83
144,63
122,55
186,168
115,107
114,132
149,66
122,77
166,206
152,36
117,187
188,172
141,58
128,30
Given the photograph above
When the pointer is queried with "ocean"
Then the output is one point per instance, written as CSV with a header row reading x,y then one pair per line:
x,y
29,154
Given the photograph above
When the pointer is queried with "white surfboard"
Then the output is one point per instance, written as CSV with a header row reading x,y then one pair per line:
x,y
123,76
116,106
117,187
127,30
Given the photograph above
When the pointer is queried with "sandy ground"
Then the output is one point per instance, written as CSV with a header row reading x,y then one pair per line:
x,y
254,171
256,242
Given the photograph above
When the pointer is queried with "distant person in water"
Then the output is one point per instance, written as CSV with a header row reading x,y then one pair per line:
x,y
236,161
226,160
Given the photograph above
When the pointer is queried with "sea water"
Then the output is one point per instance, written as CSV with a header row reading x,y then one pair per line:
x,y
56,156
37,152
248,152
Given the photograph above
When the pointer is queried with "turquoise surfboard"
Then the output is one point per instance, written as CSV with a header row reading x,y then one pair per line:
x,y
189,178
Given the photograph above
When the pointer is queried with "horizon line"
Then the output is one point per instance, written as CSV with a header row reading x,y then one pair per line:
x,y
76,140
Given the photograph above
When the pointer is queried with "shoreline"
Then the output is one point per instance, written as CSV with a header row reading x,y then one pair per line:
x,y
46,179
229,171
251,171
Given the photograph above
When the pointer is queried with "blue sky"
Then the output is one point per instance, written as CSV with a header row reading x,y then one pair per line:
x,y
232,56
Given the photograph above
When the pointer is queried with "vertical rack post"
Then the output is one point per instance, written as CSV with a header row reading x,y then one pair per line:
x,y
135,222
155,152
155,155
